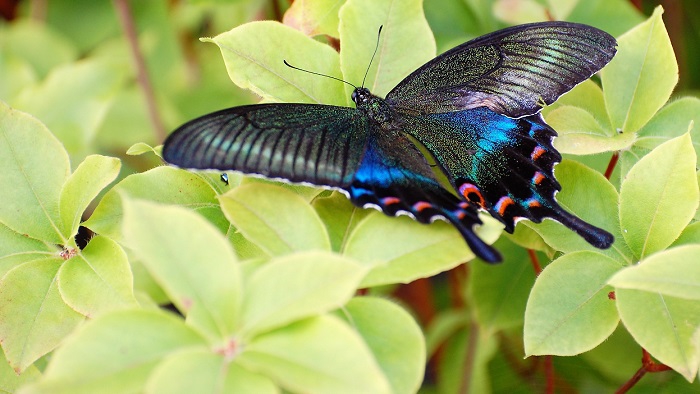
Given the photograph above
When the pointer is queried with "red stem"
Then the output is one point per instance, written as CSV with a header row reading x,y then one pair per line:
x,y
535,261
612,164
549,374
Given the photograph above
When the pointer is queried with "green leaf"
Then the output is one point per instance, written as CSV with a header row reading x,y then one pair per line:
x,y
674,272
667,327
277,220
140,148
569,311
406,42
673,120
191,261
17,249
318,355
587,96
84,184
314,17
690,235
115,353
591,197
201,371
161,184
394,338
339,216
659,197
518,12
298,286
38,44
499,293
254,54
10,381
641,77
73,100
400,250
34,168
615,17
98,279
581,134
33,319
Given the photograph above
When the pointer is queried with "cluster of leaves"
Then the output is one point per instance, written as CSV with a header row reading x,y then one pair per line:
x,y
264,275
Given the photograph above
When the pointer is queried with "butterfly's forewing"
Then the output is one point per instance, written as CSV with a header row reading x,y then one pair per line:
x,y
513,72
503,165
319,144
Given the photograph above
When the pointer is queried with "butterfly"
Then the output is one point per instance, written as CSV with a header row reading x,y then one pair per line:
x,y
473,110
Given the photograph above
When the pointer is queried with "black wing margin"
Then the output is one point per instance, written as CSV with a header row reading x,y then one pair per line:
x,y
513,71
319,144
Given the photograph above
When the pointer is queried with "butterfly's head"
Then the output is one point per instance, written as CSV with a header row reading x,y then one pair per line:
x,y
361,96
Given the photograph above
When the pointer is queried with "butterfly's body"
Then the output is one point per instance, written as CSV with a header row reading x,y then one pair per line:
x,y
481,126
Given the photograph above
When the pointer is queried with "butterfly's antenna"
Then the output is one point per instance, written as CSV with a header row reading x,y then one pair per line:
x,y
379,33
315,73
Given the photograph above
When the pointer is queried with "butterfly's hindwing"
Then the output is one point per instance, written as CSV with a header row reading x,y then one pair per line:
x,y
395,177
513,71
500,164
318,144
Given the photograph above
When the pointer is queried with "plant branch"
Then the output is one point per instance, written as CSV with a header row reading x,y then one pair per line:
x,y
127,22
536,266
611,165
648,365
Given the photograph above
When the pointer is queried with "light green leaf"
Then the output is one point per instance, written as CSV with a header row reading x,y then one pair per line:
x,y
659,197
298,286
38,44
401,250
254,54
675,119
690,235
34,168
615,17
10,381
587,96
581,134
317,355
518,12
314,17
406,42
673,272
33,319
641,77
140,148
17,249
73,100
339,216
569,311
191,261
115,353
394,338
98,279
201,371
277,220
161,184
84,184
667,327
